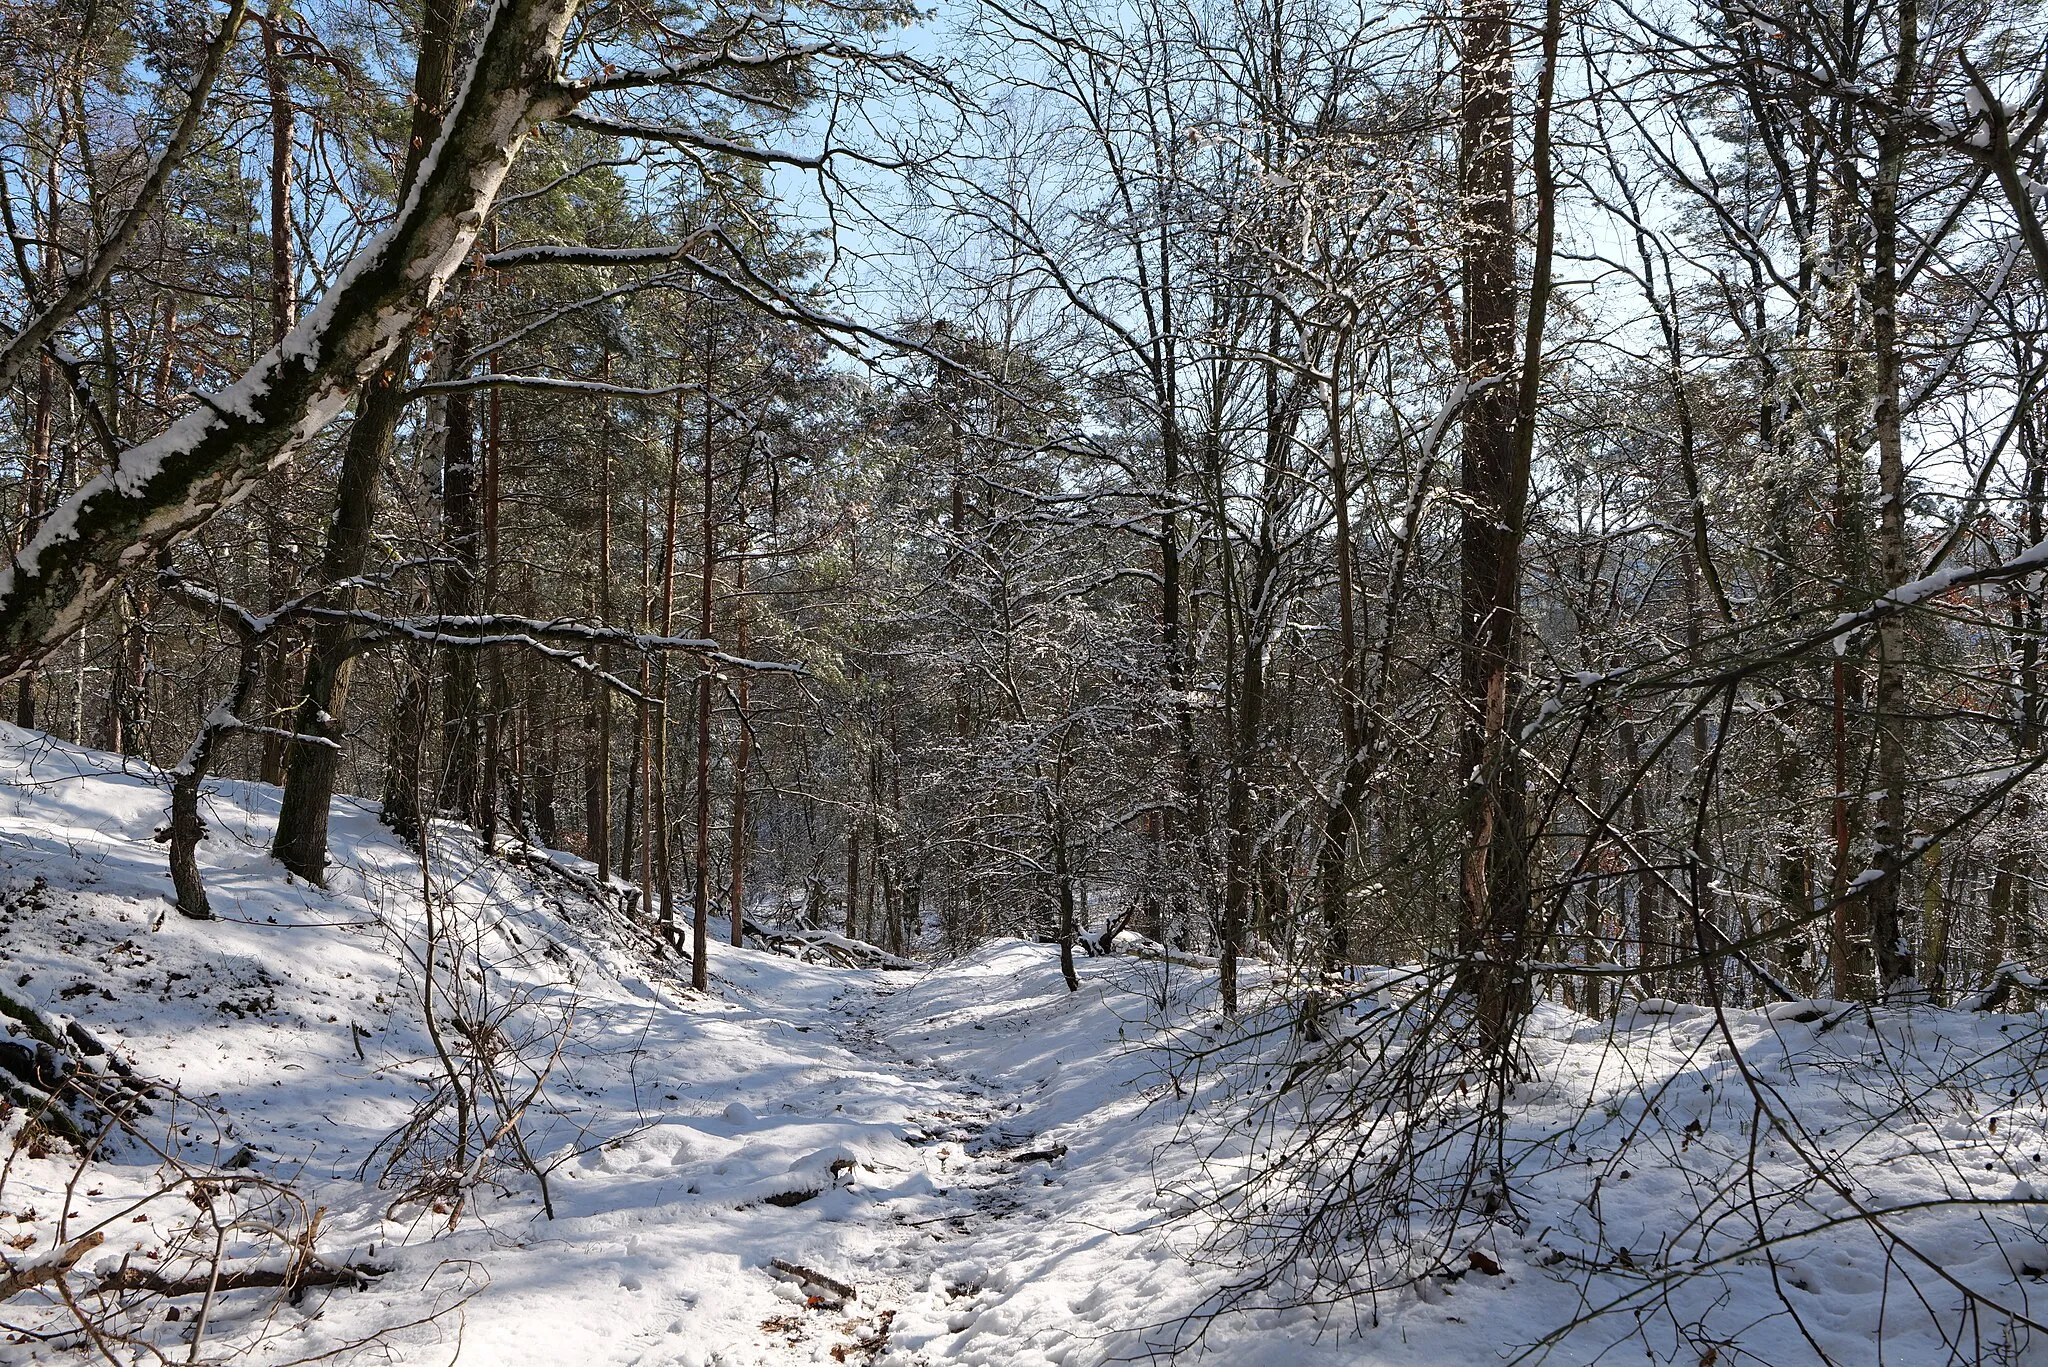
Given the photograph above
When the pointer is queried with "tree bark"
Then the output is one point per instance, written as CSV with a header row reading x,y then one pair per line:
x,y
664,868
498,697
1893,961
283,312
460,536
1340,816
544,745
186,829
853,821
34,498
301,843
408,738
700,932
600,807
1499,435
743,748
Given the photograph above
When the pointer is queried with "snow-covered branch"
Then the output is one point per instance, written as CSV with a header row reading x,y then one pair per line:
x,y
572,254
697,140
555,383
549,635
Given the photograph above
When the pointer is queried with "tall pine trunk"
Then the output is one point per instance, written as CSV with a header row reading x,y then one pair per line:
x,y
1499,436
283,311
700,908
1891,958
301,842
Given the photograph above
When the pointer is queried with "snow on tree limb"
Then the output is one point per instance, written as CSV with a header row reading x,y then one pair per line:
x,y
696,140
564,638
575,254
212,457
550,383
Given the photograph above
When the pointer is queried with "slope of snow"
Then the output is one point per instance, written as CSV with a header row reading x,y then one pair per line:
x,y
1007,1174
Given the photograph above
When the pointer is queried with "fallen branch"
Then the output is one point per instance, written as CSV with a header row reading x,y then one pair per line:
x,y
27,1278
808,1276
2004,979
355,1276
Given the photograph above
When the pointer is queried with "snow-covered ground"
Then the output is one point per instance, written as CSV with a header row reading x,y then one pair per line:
x,y
1004,1173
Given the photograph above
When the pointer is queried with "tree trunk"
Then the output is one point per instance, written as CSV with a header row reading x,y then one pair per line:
x,y
186,829
1493,883
2009,903
1892,959
1254,622
663,856
700,968
408,738
853,876
34,498
546,749
1850,926
497,699
301,842
1652,936
743,750
461,778
1340,817
283,312
600,834
1499,440
1063,889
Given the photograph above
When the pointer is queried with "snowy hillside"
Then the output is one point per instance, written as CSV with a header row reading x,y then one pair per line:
x,y
964,1165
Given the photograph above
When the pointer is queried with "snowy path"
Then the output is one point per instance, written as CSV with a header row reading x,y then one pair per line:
x,y
973,1180
896,1258
842,1150
967,1147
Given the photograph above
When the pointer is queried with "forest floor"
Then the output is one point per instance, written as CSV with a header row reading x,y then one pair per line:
x,y
1002,1173
970,1149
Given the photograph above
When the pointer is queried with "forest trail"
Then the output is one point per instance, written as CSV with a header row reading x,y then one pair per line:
x,y
961,1244
982,1163
976,1158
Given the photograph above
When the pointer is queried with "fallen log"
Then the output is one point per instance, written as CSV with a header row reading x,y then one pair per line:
x,y
27,1278
807,1276
355,1276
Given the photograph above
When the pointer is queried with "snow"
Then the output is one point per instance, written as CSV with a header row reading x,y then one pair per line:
x,y
1006,1174
1911,594
542,254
